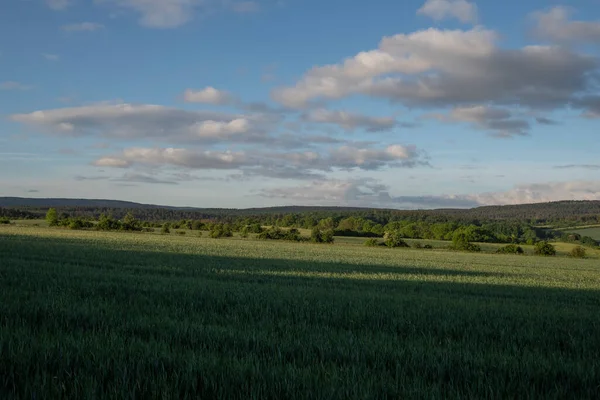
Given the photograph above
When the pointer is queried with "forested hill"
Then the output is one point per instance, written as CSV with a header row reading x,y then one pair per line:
x,y
23,202
565,211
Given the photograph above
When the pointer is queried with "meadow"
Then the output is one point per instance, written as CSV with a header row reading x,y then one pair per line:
x,y
86,314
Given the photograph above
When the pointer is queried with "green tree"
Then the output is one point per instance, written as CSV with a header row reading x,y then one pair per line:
x,y
129,223
52,217
461,241
165,230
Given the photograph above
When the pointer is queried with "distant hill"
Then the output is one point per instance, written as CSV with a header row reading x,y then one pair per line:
x,y
54,202
576,211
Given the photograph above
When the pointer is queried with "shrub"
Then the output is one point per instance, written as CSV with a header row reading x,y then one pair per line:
x,y
373,242
321,236
417,245
428,246
510,249
4,220
244,232
394,239
197,225
577,252
165,230
544,249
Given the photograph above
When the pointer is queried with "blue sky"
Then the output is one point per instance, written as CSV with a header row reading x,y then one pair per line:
x,y
222,103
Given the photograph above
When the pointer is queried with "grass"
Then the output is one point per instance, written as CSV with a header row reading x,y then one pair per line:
x,y
133,315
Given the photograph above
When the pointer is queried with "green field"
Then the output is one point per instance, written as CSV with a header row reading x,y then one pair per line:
x,y
593,232
87,314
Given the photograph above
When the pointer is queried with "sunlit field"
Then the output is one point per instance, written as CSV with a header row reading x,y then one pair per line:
x,y
86,314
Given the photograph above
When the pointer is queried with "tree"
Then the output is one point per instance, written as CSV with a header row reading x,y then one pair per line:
x,y
165,230
544,249
4,220
461,241
130,223
221,231
52,217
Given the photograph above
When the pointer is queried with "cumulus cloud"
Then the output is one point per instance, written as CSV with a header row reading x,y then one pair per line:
x,y
82,27
434,68
283,165
351,121
175,157
462,10
556,25
128,121
499,121
208,95
12,85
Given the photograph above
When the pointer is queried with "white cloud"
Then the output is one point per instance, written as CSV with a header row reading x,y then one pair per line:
x,y
351,121
285,165
347,157
82,27
12,85
175,157
448,68
128,121
462,10
555,24
208,95
218,129
50,57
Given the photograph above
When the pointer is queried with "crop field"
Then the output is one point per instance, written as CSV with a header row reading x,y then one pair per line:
x,y
86,314
593,232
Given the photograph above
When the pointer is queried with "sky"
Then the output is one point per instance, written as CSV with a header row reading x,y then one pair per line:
x,y
409,104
